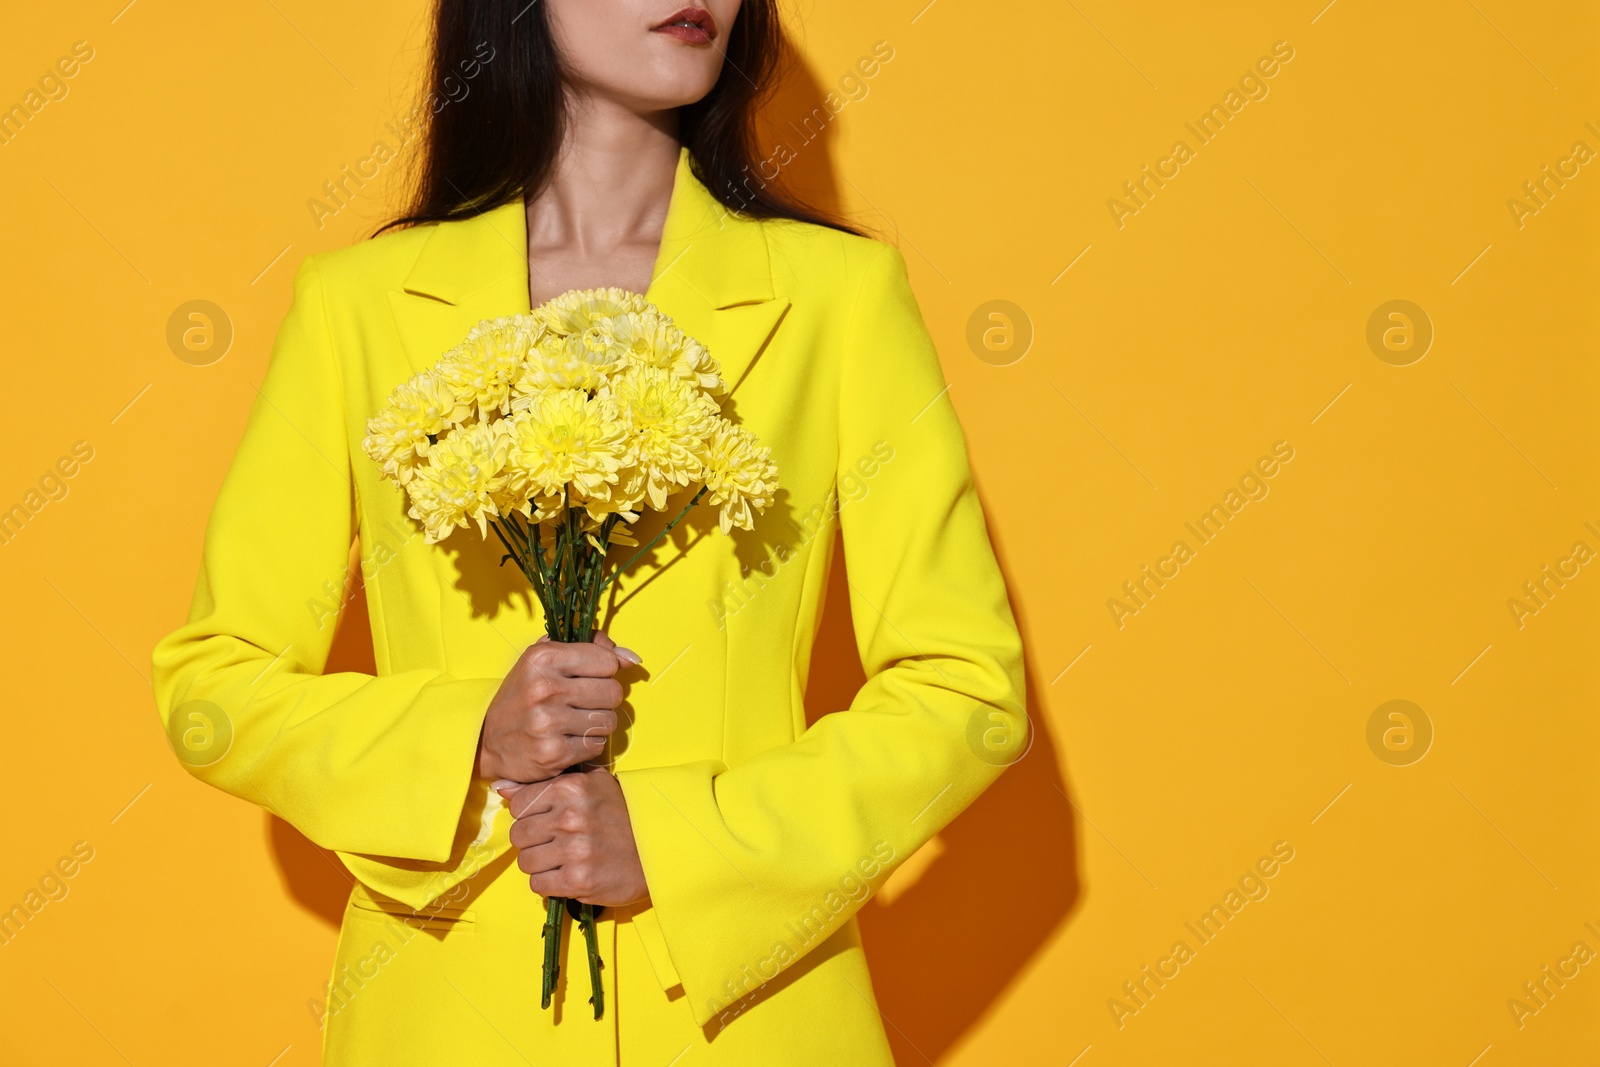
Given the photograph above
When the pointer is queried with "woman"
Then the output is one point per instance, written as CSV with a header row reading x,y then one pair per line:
x,y
579,143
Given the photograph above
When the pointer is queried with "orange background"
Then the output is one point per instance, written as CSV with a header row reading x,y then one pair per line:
x,y
1227,314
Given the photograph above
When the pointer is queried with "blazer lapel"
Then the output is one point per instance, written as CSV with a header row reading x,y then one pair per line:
x,y
467,271
713,276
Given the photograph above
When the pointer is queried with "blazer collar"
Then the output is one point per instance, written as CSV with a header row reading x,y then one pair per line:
x,y
713,275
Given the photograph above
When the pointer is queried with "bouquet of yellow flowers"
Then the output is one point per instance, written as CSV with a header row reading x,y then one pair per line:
x,y
556,429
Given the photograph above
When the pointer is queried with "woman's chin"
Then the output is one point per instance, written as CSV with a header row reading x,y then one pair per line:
x,y
668,86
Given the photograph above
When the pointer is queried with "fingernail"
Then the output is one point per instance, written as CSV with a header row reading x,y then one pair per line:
x,y
628,655
506,783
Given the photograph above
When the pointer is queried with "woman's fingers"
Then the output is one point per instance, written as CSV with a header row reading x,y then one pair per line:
x,y
534,828
579,842
578,724
544,718
598,658
531,801
584,694
586,722
588,733
627,655
584,747
578,660
539,859
594,735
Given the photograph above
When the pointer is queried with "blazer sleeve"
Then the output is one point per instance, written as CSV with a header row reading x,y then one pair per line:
x,y
365,765
752,866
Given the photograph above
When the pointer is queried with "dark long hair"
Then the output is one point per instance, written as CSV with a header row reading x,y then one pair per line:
x,y
495,114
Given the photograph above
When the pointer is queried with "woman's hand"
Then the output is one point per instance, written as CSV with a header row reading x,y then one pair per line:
x,y
555,709
574,839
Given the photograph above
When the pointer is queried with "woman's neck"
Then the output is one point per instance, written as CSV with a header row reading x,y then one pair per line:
x,y
611,183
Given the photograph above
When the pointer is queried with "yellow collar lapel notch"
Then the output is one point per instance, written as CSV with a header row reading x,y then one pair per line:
x,y
467,271
712,275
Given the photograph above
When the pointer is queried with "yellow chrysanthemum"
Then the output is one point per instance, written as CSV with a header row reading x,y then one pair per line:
x,y
595,401
481,369
519,496
567,438
418,410
624,498
739,475
464,475
558,361
581,310
653,341
669,420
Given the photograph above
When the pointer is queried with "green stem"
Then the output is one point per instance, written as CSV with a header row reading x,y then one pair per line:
x,y
594,569
521,556
555,912
656,540
569,586
596,584
533,537
570,567
591,938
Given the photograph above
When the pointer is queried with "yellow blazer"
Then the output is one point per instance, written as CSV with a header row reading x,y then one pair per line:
x,y
760,838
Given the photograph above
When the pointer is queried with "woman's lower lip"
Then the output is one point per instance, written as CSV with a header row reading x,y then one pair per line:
x,y
692,34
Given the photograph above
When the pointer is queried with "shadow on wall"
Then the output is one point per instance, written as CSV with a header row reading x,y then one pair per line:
x,y
794,138
1011,858
1002,879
